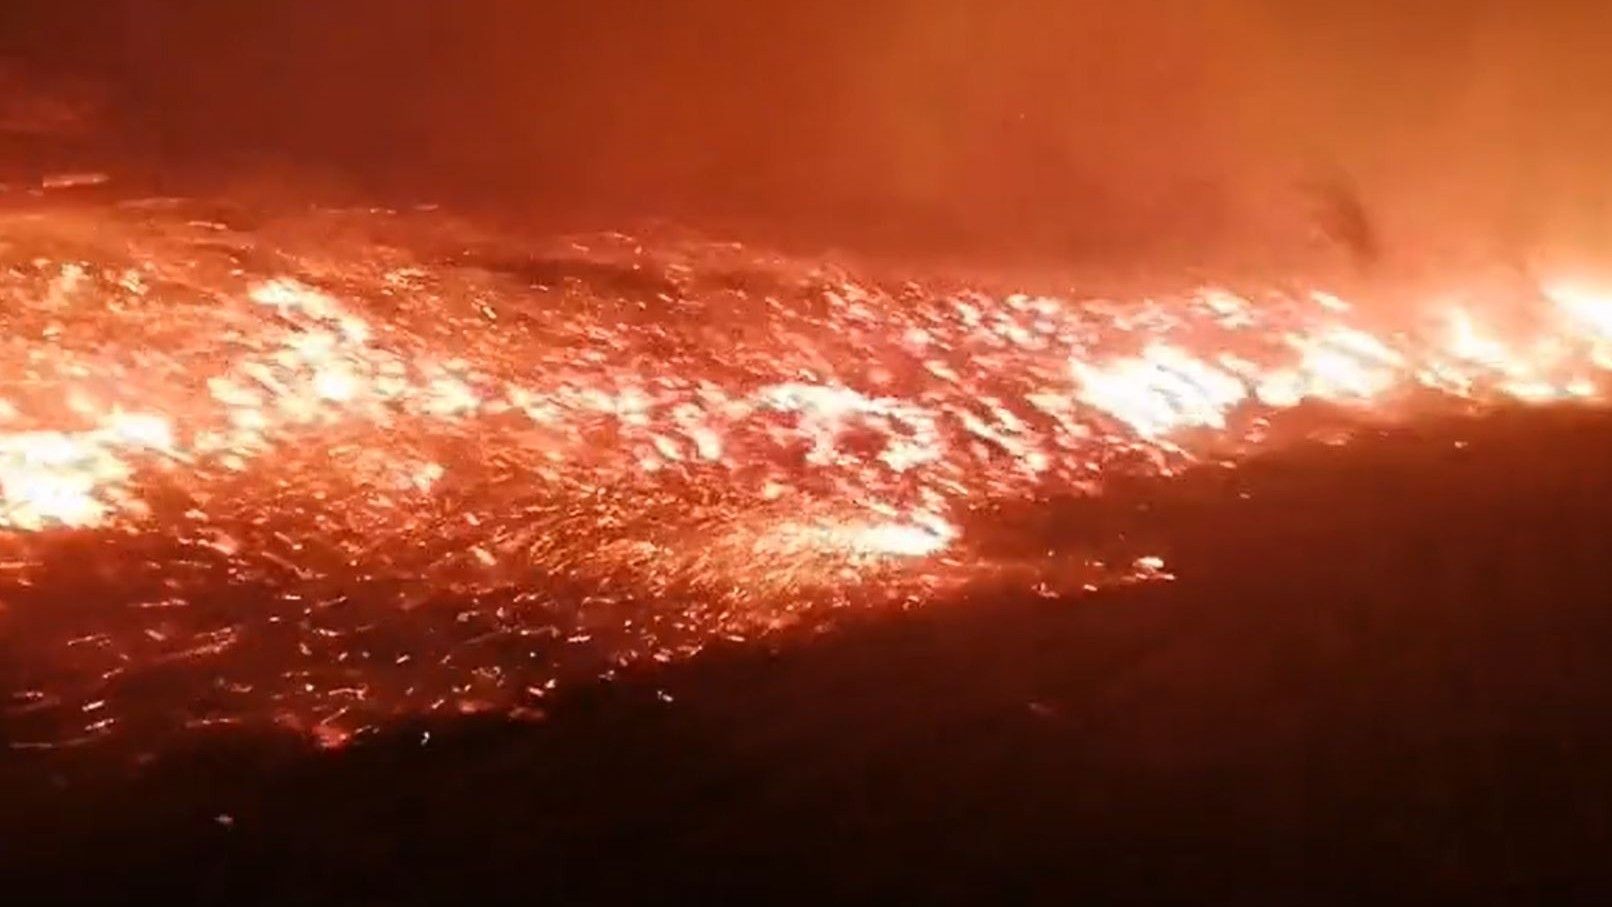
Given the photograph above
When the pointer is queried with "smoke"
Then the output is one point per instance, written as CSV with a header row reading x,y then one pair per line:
x,y
1064,131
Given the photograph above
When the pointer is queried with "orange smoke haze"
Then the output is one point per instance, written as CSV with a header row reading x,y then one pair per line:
x,y
1054,130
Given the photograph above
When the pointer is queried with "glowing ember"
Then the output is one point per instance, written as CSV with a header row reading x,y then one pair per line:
x,y
665,445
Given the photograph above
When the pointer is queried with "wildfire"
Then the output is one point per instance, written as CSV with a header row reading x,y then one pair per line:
x,y
364,420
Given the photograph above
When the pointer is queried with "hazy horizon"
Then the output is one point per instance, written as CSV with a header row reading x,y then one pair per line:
x,y
1074,131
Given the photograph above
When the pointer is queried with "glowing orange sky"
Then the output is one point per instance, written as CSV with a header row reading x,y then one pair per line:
x,y
1073,129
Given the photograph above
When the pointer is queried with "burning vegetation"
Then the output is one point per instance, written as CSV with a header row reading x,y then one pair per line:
x,y
365,463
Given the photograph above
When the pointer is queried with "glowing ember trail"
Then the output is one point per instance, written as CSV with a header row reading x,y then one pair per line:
x,y
370,464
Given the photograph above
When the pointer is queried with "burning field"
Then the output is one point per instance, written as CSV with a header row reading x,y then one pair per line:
x,y
339,469
446,456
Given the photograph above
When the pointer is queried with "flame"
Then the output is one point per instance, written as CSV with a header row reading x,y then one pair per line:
x,y
74,479
316,365
730,425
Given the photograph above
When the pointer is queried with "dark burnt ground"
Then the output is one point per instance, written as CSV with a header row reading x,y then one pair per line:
x,y
1386,673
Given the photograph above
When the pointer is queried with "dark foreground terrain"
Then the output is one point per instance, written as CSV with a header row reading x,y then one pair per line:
x,y
1385,673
